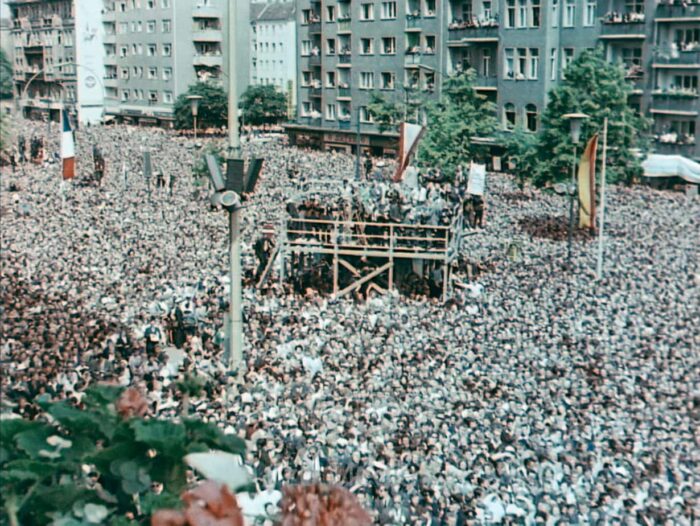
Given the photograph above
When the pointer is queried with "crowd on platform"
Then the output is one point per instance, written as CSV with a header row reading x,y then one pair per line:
x,y
535,395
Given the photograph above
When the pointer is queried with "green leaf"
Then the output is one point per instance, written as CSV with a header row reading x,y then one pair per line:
x,y
33,440
152,502
165,437
77,421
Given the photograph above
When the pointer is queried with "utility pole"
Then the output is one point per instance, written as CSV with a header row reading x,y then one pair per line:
x,y
235,350
601,233
358,153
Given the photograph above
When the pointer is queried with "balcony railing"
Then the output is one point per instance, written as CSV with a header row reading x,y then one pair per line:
x,y
315,60
344,25
345,59
314,27
678,10
344,125
470,31
310,121
413,21
681,105
316,92
684,148
624,29
207,35
344,92
485,81
678,58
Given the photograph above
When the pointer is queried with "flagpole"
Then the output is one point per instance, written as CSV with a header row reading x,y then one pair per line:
x,y
601,233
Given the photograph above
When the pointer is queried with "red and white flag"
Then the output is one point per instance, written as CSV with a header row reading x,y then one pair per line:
x,y
67,147
410,135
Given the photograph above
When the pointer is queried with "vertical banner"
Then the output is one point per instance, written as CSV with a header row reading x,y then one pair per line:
x,y
67,147
477,179
586,185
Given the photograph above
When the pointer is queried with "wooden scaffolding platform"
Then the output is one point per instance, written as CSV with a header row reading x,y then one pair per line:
x,y
346,241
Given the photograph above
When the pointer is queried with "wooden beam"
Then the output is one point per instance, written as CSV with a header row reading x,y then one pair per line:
x,y
363,280
348,266
270,262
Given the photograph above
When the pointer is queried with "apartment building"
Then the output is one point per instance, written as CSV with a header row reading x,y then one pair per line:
x,y
519,49
155,49
57,58
273,52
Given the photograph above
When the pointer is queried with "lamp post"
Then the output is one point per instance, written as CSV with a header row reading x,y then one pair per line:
x,y
194,106
358,148
575,123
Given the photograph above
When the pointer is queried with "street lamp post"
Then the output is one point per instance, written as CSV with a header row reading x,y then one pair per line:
x,y
575,122
194,106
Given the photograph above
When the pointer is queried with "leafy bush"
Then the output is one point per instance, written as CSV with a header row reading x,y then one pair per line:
x,y
102,464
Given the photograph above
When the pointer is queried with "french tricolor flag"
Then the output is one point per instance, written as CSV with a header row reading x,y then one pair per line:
x,y
67,147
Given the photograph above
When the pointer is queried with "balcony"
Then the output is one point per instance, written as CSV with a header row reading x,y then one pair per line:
x,y
344,124
677,59
314,27
626,27
344,25
316,92
111,82
207,35
485,32
209,61
677,12
206,12
109,38
414,22
109,15
675,104
345,59
486,82
413,58
684,146
315,60
344,93
310,121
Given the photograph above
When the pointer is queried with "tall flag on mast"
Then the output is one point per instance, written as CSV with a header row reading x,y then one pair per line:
x,y
409,136
586,185
67,147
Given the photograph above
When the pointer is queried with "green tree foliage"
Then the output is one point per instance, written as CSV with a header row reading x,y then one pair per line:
x,y
520,151
452,122
389,113
97,465
213,108
597,88
263,105
5,76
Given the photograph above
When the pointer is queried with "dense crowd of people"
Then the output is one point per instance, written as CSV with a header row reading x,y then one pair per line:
x,y
535,395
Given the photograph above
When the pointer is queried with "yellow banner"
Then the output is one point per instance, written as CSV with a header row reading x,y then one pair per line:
x,y
586,185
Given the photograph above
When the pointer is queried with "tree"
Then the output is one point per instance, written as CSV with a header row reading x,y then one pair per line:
x,y
597,88
520,150
452,122
263,104
389,113
213,108
5,76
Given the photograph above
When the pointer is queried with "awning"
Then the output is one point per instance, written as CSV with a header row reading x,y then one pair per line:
x,y
672,166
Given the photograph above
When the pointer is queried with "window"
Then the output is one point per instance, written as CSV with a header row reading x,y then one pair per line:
x,y
167,73
366,80
365,115
331,113
553,63
330,79
568,58
152,50
124,73
486,62
167,50
389,45
305,48
509,116
305,108
686,83
165,25
330,13
429,47
522,13
123,51
531,117
634,6
367,12
152,96
510,13
330,46
150,4
123,28
486,10
125,95
521,70
429,8
589,14
137,72
388,10
534,63
305,78
151,26
555,13
165,4
631,57
569,13
367,46
388,80
534,13
167,97
428,81
152,73
509,63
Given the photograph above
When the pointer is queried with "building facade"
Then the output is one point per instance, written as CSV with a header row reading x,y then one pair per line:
x,y
155,49
519,50
57,60
273,52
